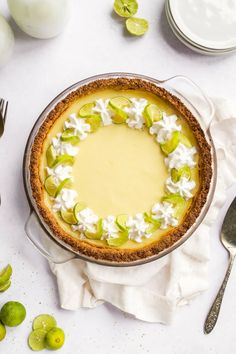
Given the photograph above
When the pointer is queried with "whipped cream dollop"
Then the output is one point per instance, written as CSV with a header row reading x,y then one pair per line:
x,y
182,187
60,173
164,128
65,200
181,156
81,128
87,221
62,148
135,113
101,106
137,227
165,213
110,229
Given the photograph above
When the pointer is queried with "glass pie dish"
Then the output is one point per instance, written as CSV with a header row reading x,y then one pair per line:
x,y
36,228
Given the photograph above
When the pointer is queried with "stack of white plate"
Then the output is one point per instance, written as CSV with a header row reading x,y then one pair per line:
x,y
206,26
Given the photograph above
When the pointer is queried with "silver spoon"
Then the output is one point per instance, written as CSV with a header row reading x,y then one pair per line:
x,y
228,239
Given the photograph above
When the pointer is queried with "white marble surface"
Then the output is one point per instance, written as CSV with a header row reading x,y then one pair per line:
x,y
94,42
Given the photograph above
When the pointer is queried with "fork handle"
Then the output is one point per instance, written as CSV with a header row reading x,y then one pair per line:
x,y
215,308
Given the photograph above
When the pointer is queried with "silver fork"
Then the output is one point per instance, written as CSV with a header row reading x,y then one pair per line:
x,y
3,115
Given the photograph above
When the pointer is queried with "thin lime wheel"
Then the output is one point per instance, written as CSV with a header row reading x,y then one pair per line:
x,y
171,144
184,171
69,217
152,114
64,184
36,340
77,208
63,159
5,274
95,235
45,322
118,105
120,240
125,8
51,155
50,186
137,26
69,136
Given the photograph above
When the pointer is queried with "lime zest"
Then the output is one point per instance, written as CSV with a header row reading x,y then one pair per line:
x,y
36,339
136,26
125,8
120,240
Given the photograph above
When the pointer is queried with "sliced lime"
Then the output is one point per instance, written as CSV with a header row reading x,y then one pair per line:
x,y
50,186
148,218
5,286
118,241
154,227
171,144
177,201
5,274
36,339
151,114
55,338
184,171
65,159
136,26
86,110
68,217
94,121
125,8
121,221
69,136
45,322
64,184
50,155
95,235
2,331
77,208
117,105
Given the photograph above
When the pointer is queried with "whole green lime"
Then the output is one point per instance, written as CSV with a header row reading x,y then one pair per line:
x,y
2,331
12,314
55,338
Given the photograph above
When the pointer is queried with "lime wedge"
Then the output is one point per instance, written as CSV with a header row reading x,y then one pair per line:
x,y
50,155
65,159
68,217
184,171
50,186
5,286
2,331
117,105
119,241
36,340
171,144
151,114
94,121
177,201
86,110
121,221
69,136
148,218
95,235
45,322
136,26
77,208
55,338
5,274
125,8
63,184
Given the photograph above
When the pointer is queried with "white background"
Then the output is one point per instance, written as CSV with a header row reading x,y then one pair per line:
x,y
95,42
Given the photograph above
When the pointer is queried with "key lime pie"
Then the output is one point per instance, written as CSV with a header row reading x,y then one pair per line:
x,y
120,169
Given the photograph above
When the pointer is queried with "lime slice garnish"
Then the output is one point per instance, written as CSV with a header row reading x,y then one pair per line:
x,y
154,227
69,136
64,184
148,218
95,235
50,155
12,313
177,201
68,217
55,338
5,274
152,114
65,159
5,286
2,331
86,110
77,208
171,144
136,26
50,186
119,241
121,221
117,105
36,339
94,121
45,322
184,171
125,8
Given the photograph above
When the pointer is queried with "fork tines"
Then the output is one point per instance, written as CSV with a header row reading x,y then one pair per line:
x,y
3,109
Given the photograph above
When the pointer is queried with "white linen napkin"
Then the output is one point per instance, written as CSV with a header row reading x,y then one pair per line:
x,y
152,292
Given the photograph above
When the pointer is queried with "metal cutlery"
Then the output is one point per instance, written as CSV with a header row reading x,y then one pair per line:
x,y
3,115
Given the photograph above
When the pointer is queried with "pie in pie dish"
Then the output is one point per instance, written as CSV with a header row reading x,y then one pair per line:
x,y
120,170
